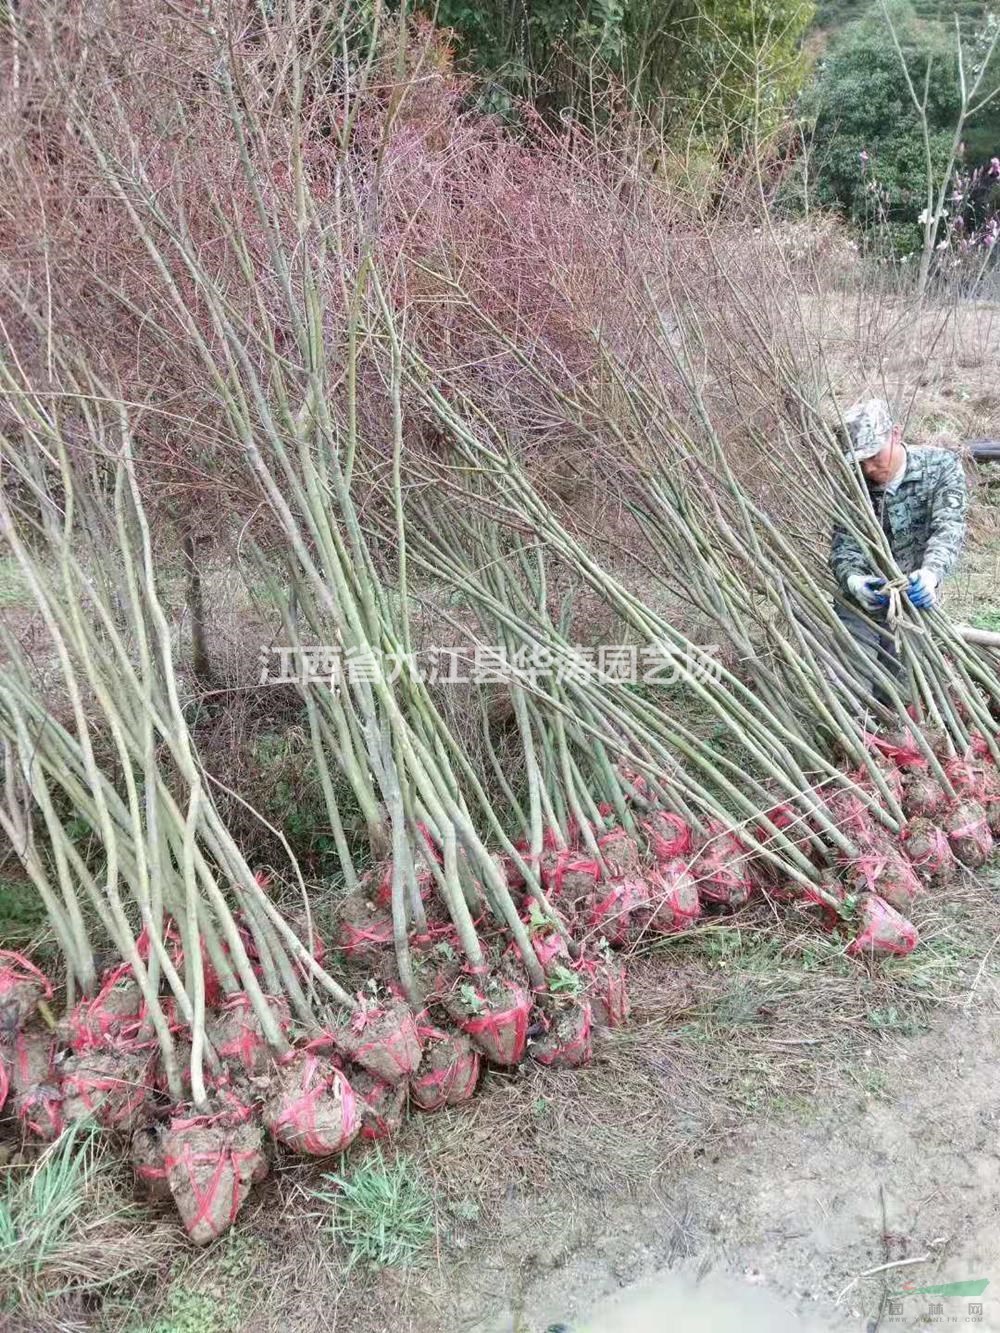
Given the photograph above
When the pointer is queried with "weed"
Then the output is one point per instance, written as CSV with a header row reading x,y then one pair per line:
x,y
891,1019
564,982
22,914
466,1210
382,1213
746,1005
209,1294
470,997
64,1226
188,1311
875,1083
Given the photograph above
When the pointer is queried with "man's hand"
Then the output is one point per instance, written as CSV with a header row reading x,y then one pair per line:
x,y
866,589
922,591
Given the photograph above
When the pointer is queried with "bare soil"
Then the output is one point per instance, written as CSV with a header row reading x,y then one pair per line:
x,y
778,1224
775,1122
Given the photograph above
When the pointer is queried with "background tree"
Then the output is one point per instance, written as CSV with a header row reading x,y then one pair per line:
x,y
716,63
883,113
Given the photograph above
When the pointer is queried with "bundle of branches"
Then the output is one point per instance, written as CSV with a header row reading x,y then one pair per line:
x,y
216,1011
503,872
710,538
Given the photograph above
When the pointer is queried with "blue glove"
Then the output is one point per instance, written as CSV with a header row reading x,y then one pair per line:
x,y
922,591
864,588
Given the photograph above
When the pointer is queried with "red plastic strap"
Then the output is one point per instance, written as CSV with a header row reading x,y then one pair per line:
x,y
389,1044
548,946
964,776
353,937
782,816
22,1062
235,1113
130,1094
673,887
611,912
568,862
246,1046
147,1171
870,865
433,933
580,1044
884,930
938,853
903,756
300,1113
467,1067
48,1125
4,1083
227,1156
436,1086
666,846
721,870
638,782
455,1083
91,1024
980,748
830,915
28,970
172,938
429,843
974,830
495,1023
434,1078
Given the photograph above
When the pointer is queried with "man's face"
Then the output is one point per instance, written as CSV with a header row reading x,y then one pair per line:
x,y
881,466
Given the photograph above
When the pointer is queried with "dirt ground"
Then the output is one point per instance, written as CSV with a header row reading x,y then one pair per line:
x,y
779,1221
776,1122
776,1226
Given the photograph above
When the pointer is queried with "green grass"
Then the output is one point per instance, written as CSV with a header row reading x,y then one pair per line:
x,y
209,1291
13,589
68,1229
187,1311
22,916
37,1209
382,1213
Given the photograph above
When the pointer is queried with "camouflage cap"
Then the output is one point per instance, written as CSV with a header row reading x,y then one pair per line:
x,y
869,428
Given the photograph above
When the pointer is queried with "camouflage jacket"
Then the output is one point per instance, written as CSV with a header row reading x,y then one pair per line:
x,y
923,518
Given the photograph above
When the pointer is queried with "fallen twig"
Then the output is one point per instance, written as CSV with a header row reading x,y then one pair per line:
x,y
881,1268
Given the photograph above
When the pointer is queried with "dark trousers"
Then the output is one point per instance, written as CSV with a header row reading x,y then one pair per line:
x,y
878,646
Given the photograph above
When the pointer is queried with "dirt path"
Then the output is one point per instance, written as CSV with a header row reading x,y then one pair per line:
x,y
769,1230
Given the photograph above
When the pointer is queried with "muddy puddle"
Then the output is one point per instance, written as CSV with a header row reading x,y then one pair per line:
x,y
677,1301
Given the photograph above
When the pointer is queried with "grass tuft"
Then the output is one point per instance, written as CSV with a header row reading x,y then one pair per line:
x,y
382,1213
67,1230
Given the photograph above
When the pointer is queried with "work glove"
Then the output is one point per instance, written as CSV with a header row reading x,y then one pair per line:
x,y
922,591
866,589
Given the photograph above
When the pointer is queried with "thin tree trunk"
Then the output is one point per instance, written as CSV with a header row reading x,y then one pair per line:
x,y
200,661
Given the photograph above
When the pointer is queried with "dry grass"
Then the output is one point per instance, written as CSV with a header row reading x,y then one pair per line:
x,y
71,1237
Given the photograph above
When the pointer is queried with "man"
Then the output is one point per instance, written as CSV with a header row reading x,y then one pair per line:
x,y
920,499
